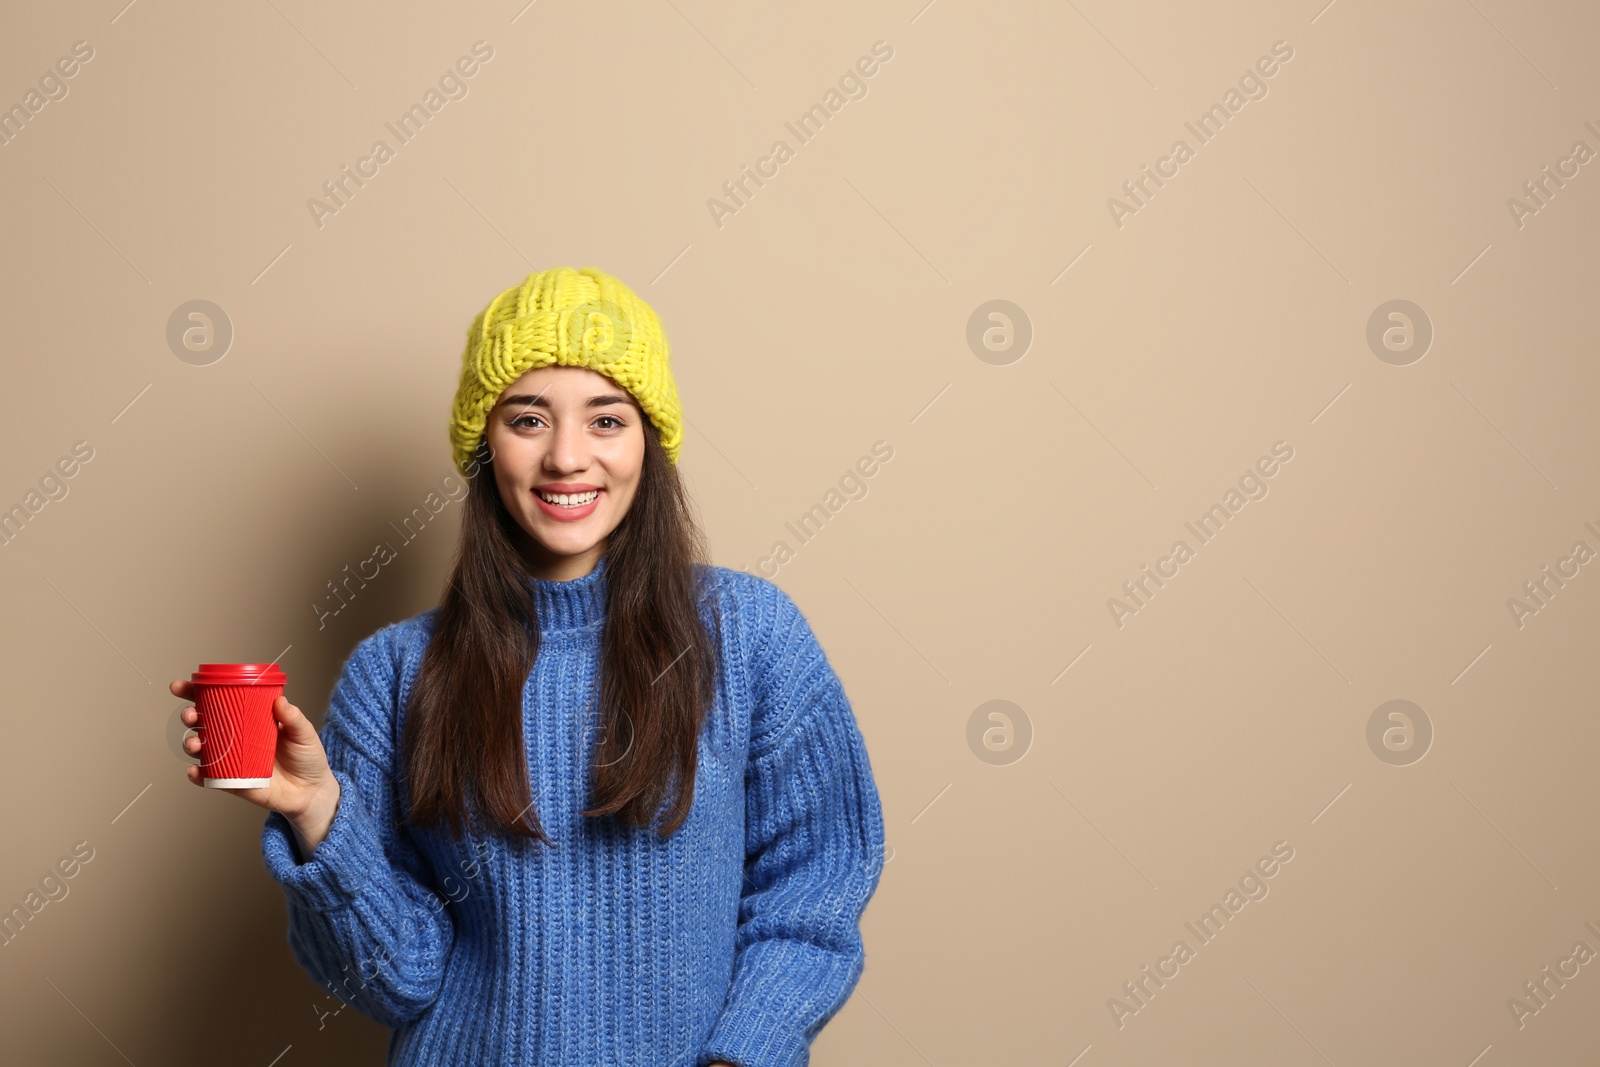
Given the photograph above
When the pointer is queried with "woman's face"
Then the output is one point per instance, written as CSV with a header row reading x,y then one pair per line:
x,y
569,431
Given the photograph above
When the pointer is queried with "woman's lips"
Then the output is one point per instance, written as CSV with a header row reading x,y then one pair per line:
x,y
561,514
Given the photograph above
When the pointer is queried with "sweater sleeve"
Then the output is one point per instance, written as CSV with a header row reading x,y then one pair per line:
x,y
364,919
813,853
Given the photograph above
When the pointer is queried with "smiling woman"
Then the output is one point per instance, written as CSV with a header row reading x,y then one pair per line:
x,y
691,823
555,424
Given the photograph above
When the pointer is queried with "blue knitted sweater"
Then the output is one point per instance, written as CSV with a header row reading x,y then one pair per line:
x,y
737,938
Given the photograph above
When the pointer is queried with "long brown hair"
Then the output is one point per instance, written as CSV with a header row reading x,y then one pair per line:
x,y
463,744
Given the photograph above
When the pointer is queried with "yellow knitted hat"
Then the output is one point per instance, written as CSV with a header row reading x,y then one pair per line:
x,y
571,318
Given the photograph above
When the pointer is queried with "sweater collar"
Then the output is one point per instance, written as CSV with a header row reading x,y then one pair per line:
x,y
575,604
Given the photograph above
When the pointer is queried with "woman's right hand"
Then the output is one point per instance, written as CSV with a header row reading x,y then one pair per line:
x,y
302,787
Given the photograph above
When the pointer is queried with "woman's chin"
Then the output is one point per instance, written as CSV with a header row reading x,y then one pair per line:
x,y
565,540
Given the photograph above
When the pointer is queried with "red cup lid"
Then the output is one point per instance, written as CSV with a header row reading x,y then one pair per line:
x,y
240,674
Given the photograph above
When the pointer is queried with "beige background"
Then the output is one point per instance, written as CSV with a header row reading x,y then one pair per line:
x,y
831,312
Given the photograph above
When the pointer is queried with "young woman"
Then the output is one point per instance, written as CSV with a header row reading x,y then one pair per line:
x,y
605,804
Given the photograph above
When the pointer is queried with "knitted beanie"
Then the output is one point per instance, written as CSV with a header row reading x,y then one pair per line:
x,y
570,318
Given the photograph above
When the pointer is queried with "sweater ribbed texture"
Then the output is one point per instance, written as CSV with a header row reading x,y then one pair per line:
x,y
737,938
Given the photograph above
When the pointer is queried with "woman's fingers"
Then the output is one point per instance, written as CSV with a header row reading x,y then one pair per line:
x,y
180,687
296,727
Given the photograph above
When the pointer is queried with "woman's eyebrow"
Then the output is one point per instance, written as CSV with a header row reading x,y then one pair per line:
x,y
601,401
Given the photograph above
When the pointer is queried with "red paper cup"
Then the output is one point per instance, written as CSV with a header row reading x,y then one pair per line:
x,y
238,734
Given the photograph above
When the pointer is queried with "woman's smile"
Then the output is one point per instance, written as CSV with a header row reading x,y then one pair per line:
x,y
567,501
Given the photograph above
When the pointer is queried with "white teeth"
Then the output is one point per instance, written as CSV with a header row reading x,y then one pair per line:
x,y
568,500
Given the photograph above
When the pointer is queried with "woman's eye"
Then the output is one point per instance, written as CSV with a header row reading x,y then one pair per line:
x,y
529,421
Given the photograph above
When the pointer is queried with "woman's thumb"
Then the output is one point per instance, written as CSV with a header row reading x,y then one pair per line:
x,y
295,724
